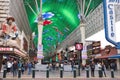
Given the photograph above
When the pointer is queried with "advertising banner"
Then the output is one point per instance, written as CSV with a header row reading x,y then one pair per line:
x,y
40,52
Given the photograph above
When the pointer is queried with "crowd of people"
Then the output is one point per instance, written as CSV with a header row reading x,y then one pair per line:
x,y
12,66
101,66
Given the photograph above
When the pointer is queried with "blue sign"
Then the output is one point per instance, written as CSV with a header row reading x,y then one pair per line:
x,y
109,21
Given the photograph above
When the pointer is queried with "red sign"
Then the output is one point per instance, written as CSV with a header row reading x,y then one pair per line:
x,y
79,46
6,49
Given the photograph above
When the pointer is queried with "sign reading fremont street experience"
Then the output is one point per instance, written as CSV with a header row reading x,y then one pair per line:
x,y
109,21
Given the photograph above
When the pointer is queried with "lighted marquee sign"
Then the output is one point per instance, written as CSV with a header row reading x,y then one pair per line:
x,y
109,21
6,49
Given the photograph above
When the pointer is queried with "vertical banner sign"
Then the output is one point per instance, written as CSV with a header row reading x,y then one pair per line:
x,y
109,20
40,52
40,46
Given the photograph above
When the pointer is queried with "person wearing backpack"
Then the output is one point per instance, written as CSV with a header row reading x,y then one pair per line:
x,y
112,66
92,66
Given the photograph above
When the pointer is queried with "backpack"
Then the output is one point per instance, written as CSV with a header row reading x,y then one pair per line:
x,y
29,65
112,65
92,66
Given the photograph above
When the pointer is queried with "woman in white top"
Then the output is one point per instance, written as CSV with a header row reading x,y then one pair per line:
x,y
9,65
99,65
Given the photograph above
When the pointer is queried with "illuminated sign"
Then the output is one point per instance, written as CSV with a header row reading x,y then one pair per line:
x,y
6,49
96,44
96,51
109,21
40,52
79,46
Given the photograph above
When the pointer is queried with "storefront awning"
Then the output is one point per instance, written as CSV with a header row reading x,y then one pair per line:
x,y
12,51
19,52
115,56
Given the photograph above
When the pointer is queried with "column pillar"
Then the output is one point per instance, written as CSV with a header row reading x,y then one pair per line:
x,y
82,30
118,60
40,46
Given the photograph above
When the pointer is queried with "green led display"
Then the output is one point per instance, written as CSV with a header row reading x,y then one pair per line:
x,y
64,21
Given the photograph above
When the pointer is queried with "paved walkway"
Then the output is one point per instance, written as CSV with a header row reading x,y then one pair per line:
x,y
67,75
62,79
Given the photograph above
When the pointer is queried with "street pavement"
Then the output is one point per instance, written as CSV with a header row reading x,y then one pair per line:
x,y
55,75
67,75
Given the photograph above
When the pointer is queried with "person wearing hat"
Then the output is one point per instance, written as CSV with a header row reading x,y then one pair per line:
x,y
9,28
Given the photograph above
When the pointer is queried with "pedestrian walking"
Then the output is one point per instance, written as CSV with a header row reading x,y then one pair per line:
x,y
29,68
23,68
15,68
92,66
9,66
72,65
100,69
103,69
112,66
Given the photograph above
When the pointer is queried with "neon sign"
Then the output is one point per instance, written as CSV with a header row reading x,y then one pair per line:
x,y
6,49
79,46
109,21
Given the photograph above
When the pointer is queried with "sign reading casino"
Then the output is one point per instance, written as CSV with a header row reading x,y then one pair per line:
x,y
109,21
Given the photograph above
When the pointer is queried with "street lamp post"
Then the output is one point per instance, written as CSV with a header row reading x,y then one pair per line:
x,y
79,47
79,62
